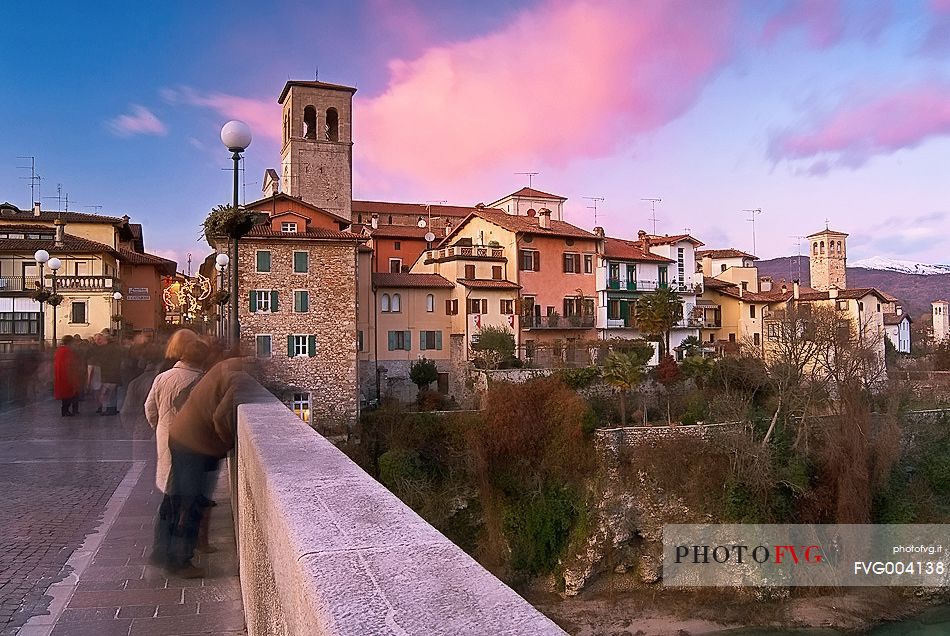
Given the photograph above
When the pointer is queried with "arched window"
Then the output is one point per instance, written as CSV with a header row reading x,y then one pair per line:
x,y
310,122
821,247
395,304
332,127
814,249
532,212
390,219
430,302
840,248
385,303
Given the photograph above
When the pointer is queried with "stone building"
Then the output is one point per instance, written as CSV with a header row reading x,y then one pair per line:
x,y
941,320
829,259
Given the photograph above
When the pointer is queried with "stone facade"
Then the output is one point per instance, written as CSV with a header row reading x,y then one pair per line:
x,y
329,373
828,260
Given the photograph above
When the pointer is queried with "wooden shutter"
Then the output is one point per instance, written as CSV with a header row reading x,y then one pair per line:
x,y
448,307
484,305
407,339
290,346
537,261
273,300
438,340
392,340
311,345
422,341
252,301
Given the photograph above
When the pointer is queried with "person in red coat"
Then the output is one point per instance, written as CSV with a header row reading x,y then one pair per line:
x,y
65,383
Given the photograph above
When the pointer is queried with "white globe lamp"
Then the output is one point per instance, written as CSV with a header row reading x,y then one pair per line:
x,y
236,135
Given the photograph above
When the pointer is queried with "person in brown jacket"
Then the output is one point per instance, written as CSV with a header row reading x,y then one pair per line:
x,y
199,436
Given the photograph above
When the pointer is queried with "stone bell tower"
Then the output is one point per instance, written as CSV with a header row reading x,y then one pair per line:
x,y
316,154
828,259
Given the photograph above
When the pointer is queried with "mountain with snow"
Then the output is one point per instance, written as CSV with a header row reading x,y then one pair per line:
x,y
895,265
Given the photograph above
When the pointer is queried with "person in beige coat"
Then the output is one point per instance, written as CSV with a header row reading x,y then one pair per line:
x,y
165,399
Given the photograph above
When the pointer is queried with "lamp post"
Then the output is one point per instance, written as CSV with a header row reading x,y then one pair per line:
x,y
42,257
221,262
54,264
236,136
117,296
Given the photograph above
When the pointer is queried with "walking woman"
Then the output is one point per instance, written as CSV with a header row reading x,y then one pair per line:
x,y
66,382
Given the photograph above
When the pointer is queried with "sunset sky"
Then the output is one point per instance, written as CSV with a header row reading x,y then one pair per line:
x,y
809,110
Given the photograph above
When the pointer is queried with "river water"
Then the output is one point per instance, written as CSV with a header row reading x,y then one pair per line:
x,y
932,622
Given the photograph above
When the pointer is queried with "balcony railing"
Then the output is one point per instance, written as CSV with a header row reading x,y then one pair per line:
x,y
632,285
91,283
19,283
473,252
557,322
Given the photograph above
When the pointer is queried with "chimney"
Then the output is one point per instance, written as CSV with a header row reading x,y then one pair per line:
x,y
544,219
448,228
36,208
374,222
644,239
899,310
795,289
599,231
60,231
765,283
832,292
741,290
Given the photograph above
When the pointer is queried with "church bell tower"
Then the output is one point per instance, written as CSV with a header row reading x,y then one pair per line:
x,y
317,144
828,260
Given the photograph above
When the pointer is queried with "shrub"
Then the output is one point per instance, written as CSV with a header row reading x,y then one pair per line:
x,y
423,372
495,346
538,527
579,378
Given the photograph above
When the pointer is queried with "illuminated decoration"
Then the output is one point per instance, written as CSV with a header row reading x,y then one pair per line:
x,y
184,295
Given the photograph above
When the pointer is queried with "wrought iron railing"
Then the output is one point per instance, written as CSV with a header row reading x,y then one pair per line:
x,y
557,322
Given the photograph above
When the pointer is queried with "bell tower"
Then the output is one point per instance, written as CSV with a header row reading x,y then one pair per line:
x,y
828,259
316,153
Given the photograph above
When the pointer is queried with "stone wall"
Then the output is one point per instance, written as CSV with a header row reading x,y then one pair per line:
x,y
325,549
622,437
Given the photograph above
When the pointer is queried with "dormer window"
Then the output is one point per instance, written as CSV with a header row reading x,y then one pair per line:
x,y
288,227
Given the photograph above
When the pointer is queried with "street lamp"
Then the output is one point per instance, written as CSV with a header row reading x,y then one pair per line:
x,y
117,296
221,262
54,264
41,257
236,136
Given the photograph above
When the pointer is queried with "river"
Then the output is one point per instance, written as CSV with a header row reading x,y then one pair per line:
x,y
931,622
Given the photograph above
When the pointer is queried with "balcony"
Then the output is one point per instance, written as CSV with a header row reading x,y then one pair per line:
x,y
19,283
632,285
84,283
557,322
476,252
622,323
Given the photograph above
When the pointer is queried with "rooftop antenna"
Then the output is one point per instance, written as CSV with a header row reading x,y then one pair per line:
x,y
653,203
530,175
429,205
34,178
58,197
798,257
316,73
95,208
189,264
752,214
687,230
593,207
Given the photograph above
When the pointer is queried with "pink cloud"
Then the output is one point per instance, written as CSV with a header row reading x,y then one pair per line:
x,y
820,19
263,116
860,129
141,121
564,80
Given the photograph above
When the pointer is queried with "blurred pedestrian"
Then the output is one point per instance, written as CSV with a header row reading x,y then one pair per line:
x,y
133,406
176,347
65,378
109,356
94,371
26,366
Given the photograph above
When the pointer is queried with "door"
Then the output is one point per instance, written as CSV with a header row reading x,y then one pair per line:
x,y
31,276
662,277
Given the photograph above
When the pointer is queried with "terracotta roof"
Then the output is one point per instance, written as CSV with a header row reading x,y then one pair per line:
x,y
415,209
261,204
726,253
144,258
896,319
32,229
384,279
312,84
668,239
478,283
529,225
535,194
399,231
890,298
621,249
71,244
264,230
715,283
50,215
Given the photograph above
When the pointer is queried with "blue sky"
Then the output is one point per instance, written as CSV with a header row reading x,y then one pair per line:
x,y
810,110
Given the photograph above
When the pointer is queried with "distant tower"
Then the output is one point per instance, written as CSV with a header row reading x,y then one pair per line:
x,y
941,318
829,259
317,151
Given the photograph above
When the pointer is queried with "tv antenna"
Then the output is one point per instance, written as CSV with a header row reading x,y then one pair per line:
x,y
593,206
798,257
752,214
95,208
653,203
530,176
59,197
34,178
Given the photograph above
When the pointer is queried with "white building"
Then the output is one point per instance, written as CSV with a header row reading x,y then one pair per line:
x,y
897,329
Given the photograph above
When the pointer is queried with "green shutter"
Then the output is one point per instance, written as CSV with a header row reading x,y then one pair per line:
x,y
408,340
304,301
290,346
422,341
263,261
252,301
392,340
311,345
438,340
301,264
273,300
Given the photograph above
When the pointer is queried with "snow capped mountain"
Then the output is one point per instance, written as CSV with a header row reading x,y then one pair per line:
x,y
895,265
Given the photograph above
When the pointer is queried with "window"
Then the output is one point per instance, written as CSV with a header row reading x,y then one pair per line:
x,y
263,261
395,303
751,311
755,339
662,276
573,307
77,312
300,345
82,268
395,265
860,306
288,227
430,302
588,263
529,261
332,127
263,301
430,340
745,286
359,340
496,272
477,305
506,307
397,245
469,272
631,273
263,346
301,262
879,308
384,304
614,271
842,305
301,301
772,331
20,322
572,263
310,122
681,265
732,337
722,267
451,307
300,405
613,310
400,340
